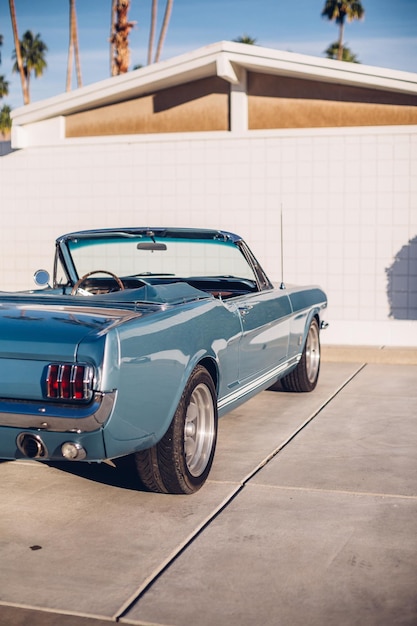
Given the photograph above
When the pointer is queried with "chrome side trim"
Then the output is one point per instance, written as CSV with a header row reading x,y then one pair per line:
x,y
261,381
52,417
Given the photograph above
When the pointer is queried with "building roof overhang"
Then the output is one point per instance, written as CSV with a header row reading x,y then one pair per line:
x,y
225,59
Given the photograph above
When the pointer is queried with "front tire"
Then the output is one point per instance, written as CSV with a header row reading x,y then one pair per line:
x,y
181,461
305,376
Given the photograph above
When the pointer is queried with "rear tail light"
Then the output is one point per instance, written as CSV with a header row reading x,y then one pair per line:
x,y
69,381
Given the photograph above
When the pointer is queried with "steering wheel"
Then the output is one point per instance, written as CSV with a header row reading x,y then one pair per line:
x,y
83,278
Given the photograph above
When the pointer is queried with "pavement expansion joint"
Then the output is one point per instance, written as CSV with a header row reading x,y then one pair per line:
x,y
180,549
344,492
164,566
55,612
285,443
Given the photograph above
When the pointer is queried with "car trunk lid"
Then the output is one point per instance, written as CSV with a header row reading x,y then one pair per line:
x,y
33,335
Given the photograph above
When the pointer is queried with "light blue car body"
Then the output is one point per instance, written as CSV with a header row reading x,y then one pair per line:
x,y
143,343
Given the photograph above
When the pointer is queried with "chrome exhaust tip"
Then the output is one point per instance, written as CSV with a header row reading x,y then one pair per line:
x,y
31,446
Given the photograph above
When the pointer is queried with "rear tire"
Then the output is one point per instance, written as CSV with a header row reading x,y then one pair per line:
x,y
305,376
181,461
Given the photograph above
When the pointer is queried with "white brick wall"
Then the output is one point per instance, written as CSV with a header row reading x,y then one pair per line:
x,y
349,198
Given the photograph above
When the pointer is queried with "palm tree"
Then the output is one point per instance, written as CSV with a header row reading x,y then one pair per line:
x,y
152,30
245,39
5,120
113,71
164,28
332,52
119,38
4,87
340,11
33,51
73,47
19,60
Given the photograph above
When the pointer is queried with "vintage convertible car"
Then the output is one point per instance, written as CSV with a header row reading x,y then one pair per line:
x,y
143,338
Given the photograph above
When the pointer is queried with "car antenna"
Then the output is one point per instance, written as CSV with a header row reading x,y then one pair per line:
x,y
282,285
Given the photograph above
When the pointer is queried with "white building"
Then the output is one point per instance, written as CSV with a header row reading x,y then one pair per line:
x,y
224,137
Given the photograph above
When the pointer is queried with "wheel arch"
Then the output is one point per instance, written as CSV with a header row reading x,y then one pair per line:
x,y
211,366
314,314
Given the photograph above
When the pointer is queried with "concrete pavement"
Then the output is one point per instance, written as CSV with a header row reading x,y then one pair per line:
x,y
388,355
309,517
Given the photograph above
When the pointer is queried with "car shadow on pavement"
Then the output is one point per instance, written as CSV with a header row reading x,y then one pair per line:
x,y
118,473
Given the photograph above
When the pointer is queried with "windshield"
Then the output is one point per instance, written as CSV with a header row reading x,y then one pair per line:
x,y
145,256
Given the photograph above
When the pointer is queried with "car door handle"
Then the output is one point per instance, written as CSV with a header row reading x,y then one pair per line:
x,y
244,309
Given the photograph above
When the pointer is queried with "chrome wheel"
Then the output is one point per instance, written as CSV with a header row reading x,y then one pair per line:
x,y
180,462
312,353
199,430
304,377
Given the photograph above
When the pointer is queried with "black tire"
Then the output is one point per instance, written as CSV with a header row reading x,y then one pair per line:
x,y
305,376
181,461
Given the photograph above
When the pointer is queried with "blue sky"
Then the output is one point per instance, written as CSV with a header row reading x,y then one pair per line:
x,y
387,37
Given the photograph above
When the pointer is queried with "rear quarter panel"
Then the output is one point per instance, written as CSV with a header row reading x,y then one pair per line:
x,y
156,357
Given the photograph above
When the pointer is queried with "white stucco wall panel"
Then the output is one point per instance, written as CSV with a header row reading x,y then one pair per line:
x,y
349,199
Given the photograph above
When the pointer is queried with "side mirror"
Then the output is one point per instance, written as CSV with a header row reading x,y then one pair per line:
x,y
41,278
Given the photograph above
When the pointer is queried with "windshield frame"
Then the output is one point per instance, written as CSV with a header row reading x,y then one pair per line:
x,y
64,257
